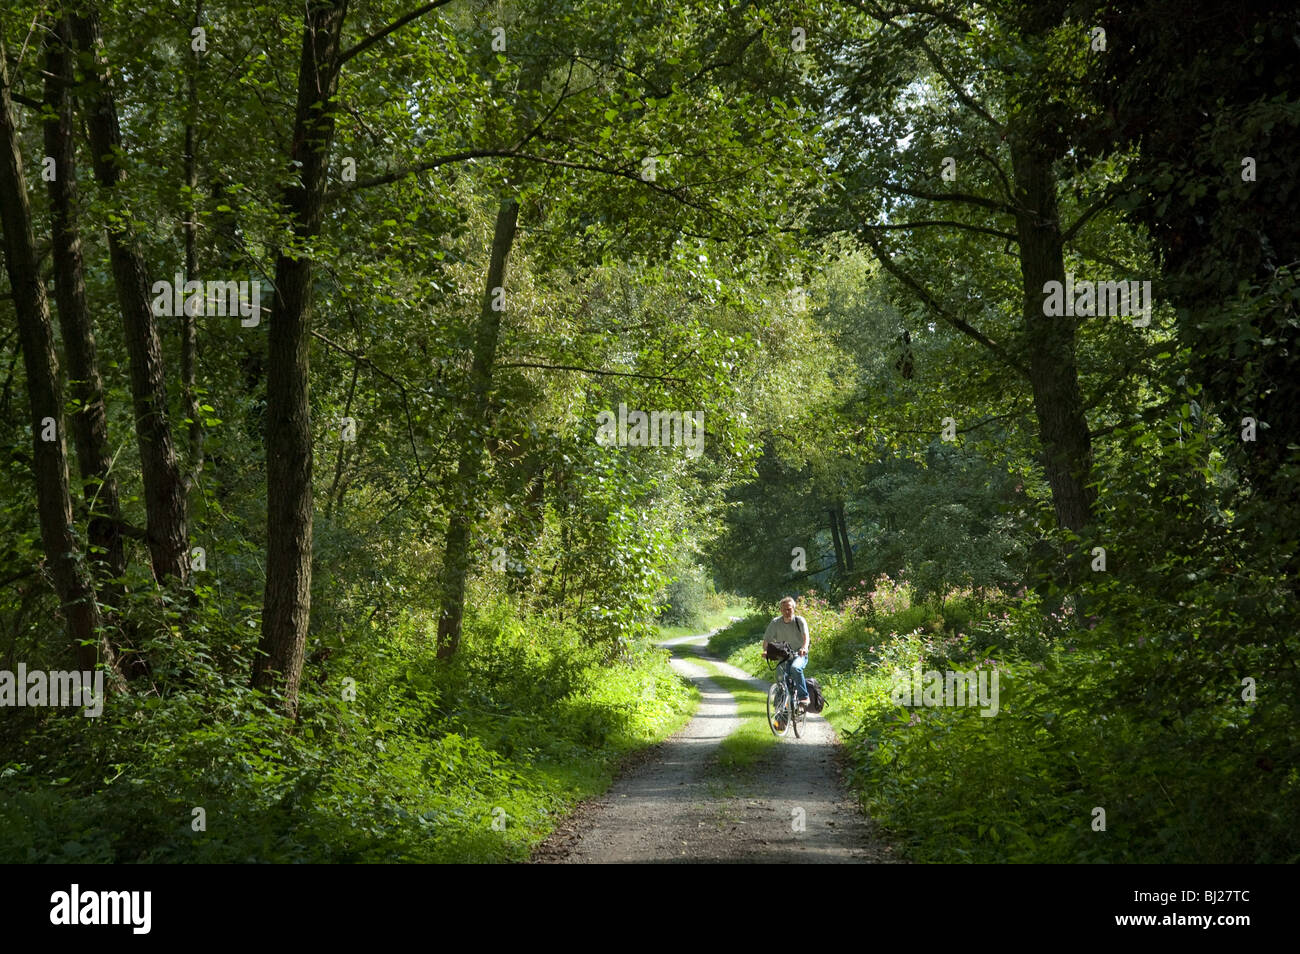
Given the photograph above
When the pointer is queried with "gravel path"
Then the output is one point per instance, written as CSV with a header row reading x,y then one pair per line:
x,y
680,805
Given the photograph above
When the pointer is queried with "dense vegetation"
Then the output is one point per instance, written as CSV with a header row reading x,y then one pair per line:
x,y
1068,737
468,761
371,564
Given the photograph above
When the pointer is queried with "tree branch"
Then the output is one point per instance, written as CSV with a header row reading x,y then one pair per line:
x,y
1104,431
946,17
796,577
427,166
395,25
1088,213
550,113
950,197
966,98
596,371
513,153
940,222
1098,258
16,577
1002,176
932,302
18,97
950,20
1129,368
406,408
129,531
888,16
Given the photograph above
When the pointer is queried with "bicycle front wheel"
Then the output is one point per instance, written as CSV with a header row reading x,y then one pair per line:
x,y
778,716
796,716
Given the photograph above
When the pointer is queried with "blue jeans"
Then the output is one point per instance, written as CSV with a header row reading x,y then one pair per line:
x,y
796,666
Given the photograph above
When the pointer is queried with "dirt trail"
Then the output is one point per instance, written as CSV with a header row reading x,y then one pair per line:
x,y
681,805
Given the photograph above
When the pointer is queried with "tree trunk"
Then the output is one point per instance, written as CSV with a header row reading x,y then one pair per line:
x,y
835,539
164,491
455,564
286,609
189,331
89,425
844,537
1053,372
72,581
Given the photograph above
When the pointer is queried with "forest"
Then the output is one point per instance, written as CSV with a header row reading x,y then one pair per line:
x,y
384,382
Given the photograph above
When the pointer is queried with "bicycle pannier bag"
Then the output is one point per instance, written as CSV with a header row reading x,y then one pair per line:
x,y
816,701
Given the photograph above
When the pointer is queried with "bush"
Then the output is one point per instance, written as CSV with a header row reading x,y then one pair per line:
x,y
688,598
1088,717
526,719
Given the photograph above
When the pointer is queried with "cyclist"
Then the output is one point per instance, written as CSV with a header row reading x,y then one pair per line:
x,y
793,630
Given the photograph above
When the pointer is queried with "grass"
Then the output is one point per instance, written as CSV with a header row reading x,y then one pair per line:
x,y
752,739
740,750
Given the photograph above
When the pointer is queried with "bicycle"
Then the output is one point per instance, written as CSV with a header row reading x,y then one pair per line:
x,y
782,710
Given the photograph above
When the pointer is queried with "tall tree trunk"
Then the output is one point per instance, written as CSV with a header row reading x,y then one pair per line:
x,y
835,540
89,424
72,580
189,332
455,563
164,491
844,536
286,609
1053,372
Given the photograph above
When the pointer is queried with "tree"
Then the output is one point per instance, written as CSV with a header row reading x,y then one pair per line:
x,y
63,550
455,563
1217,189
89,423
287,607
993,90
164,490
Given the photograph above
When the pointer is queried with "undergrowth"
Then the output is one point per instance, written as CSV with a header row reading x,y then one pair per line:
x,y
395,757
1073,746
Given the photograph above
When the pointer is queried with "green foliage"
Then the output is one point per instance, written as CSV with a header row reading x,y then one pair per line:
x,y
1087,718
527,721
733,284
1226,230
687,598
848,429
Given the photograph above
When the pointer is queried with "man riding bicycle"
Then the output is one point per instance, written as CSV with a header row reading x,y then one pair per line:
x,y
793,630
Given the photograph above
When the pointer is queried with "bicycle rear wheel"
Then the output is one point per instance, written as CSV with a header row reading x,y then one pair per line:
x,y
796,714
778,715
